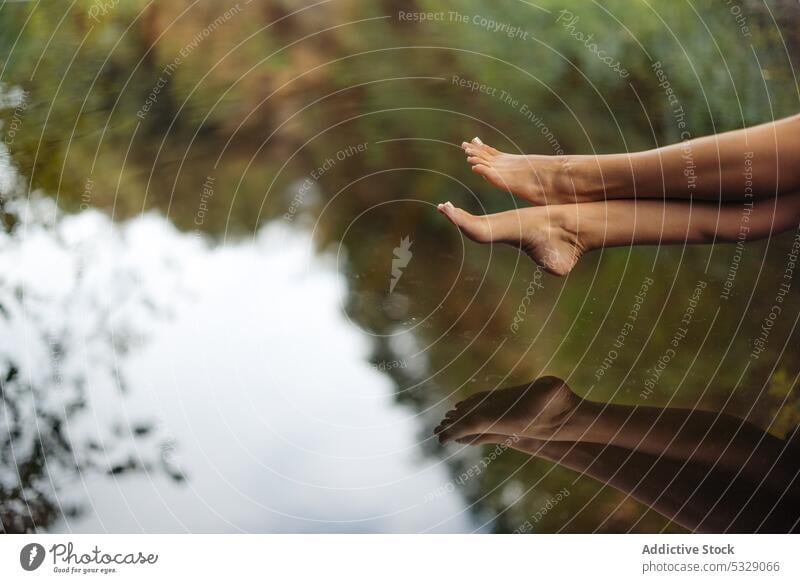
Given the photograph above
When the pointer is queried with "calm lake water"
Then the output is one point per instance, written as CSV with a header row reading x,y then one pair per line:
x,y
202,330
248,399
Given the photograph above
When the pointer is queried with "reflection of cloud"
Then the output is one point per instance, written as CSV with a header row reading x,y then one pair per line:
x,y
262,388
73,305
266,389
7,175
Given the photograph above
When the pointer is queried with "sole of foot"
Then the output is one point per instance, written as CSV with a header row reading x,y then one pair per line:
x,y
542,233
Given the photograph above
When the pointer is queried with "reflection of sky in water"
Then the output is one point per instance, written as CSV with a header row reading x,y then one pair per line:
x,y
259,388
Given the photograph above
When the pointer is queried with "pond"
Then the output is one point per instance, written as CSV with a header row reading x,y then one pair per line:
x,y
229,303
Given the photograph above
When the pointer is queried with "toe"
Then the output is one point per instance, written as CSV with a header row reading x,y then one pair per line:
x,y
443,424
465,427
475,151
499,227
484,149
489,173
475,228
477,160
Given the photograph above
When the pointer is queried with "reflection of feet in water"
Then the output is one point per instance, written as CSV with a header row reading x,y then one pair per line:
x,y
538,179
537,447
536,410
707,471
547,234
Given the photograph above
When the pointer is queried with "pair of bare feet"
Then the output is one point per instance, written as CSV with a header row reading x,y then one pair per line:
x,y
530,413
547,233
689,192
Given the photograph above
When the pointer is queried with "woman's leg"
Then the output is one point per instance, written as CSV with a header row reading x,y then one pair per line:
x,y
761,160
557,236
696,496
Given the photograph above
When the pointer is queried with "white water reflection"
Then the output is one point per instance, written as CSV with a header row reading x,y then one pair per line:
x,y
242,374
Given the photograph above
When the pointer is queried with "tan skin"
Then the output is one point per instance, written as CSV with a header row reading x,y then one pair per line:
x,y
643,198
706,471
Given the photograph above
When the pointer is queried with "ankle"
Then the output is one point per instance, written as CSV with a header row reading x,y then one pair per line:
x,y
599,178
569,182
566,221
587,225
555,242
578,420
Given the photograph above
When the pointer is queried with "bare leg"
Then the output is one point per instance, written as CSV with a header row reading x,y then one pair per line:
x,y
557,236
761,159
548,409
696,496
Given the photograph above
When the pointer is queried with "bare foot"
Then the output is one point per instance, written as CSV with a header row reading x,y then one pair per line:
x,y
546,234
540,180
537,410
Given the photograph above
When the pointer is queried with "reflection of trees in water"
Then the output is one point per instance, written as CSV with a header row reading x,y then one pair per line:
x,y
462,323
65,339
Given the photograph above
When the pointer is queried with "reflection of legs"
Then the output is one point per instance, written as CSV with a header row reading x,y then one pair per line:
x,y
719,167
557,236
683,434
694,495
548,409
